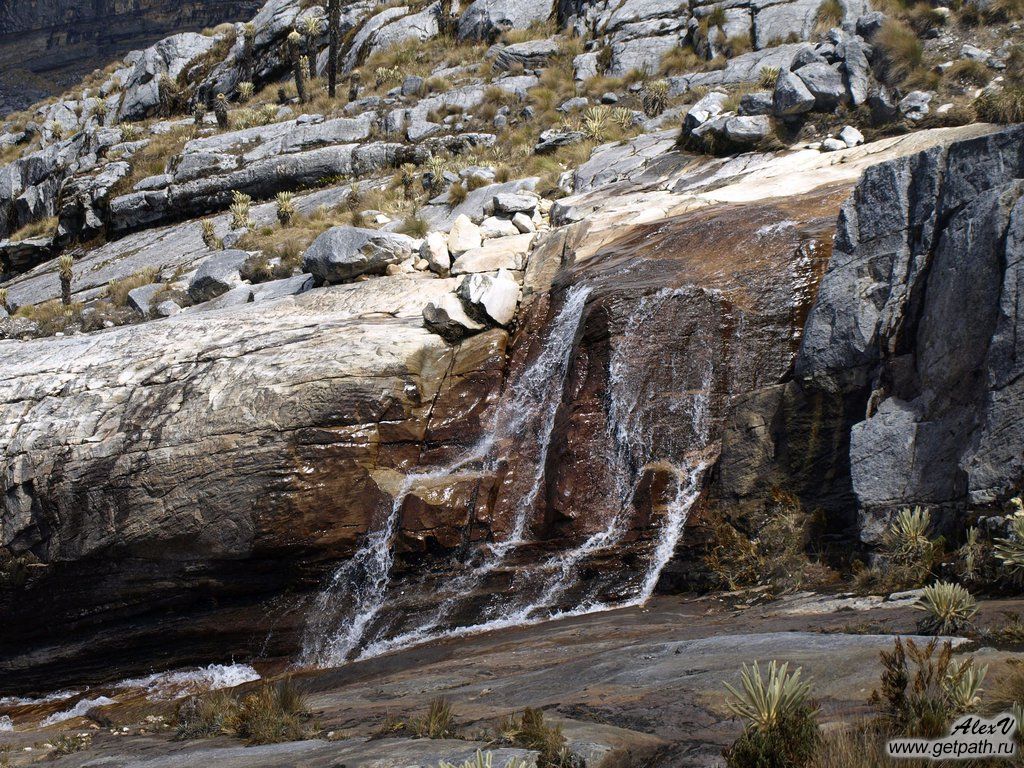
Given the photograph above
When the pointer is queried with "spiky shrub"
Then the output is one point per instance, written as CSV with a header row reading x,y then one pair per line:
x,y
437,723
483,760
130,132
210,239
273,714
240,208
285,208
3,300
780,723
387,76
1009,550
769,77
655,97
962,684
295,53
596,122
764,701
531,732
948,608
245,91
220,111
623,118
200,717
100,110
65,268
908,549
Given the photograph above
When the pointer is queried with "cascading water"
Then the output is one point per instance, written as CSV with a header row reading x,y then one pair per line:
x,y
358,589
341,621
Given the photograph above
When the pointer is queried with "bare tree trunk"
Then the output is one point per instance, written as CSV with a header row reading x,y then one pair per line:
x,y
333,24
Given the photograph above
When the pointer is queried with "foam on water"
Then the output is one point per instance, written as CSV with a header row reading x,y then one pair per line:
x,y
169,685
79,710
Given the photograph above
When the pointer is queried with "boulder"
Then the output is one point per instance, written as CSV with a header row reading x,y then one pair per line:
x,y
791,96
490,298
343,253
748,130
553,138
883,105
448,319
943,428
217,275
485,19
464,236
276,289
642,54
869,24
500,253
141,299
167,309
508,203
833,145
756,103
915,105
533,54
825,84
435,251
493,227
711,105
851,136
523,223
856,70
165,60
585,66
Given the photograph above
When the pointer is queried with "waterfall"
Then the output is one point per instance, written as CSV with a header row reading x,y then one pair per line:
x,y
358,589
341,626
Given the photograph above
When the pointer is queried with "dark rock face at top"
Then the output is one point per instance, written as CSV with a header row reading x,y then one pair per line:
x,y
49,45
920,314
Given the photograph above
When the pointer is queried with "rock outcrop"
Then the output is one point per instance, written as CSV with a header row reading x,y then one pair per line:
x,y
919,316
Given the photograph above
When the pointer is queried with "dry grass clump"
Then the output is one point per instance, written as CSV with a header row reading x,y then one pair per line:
x,y
437,723
772,556
117,290
898,52
46,226
830,14
269,715
968,72
52,316
529,731
1005,105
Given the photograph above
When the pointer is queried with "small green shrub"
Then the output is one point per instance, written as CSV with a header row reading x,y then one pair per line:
x,y
923,689
948,608
273,714
791,743
483,760
211,714
529,731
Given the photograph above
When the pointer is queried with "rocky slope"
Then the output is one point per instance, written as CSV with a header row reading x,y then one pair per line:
x,y
46,47
500,355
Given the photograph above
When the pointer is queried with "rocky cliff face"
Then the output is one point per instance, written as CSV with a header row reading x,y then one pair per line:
x,y
46,47
310,427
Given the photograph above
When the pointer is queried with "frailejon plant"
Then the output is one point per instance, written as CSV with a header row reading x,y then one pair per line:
x,y
948,608
655,97
763,702
240,207
483,760
962,684
65,267
1010,550
285,208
